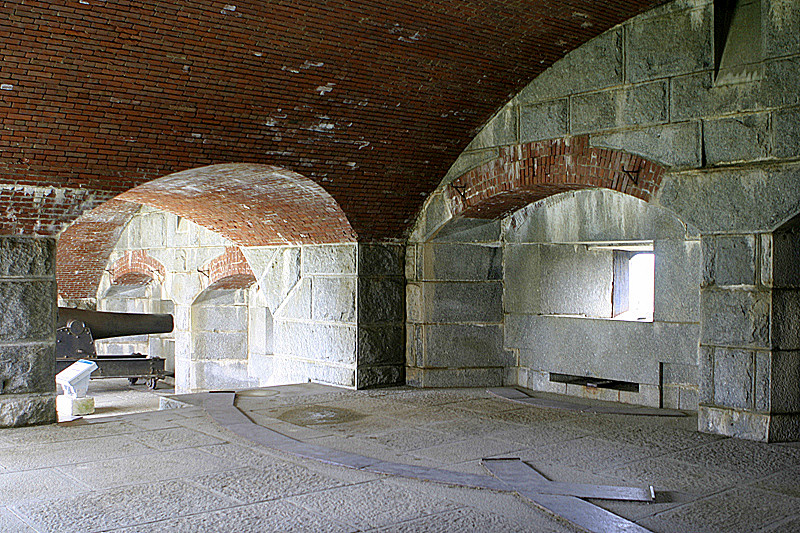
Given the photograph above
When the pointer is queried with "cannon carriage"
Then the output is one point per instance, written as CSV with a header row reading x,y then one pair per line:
x,y
77,329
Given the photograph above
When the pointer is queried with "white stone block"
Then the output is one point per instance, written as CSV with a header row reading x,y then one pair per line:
x,y
66,406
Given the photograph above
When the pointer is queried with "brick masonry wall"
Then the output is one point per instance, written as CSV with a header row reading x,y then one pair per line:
x,y
532,171
83,249
133,263
230,270
372,100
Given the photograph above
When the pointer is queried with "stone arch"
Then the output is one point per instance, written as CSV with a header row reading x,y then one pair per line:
x,y
135,285
529,172
501,300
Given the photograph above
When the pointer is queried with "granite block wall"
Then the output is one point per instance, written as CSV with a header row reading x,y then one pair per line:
x,y
327,313
27,331
724,126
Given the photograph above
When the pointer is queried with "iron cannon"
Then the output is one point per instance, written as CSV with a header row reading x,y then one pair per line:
x,y
77,329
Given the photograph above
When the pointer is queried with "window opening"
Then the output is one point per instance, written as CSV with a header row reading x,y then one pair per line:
x,y
600,280
634,285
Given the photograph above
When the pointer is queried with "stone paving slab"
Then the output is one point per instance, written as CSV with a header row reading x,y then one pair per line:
x,y
263,458
156,466
746,458
649,433
17,486
673,475
67,432
786,481
790,525
271,516
473,426
467,519
478,503
590,454
369,425
490,406
437,397
543,435
170,419
526,416
267,482
59,453
427,415
468,450
381,405
731,511
374,504
175,438
10,523
120,507
412,438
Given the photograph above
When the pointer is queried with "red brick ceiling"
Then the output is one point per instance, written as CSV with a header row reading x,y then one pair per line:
x,y
373,100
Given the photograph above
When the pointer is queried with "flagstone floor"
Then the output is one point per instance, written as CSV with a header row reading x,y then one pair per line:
x,y
178,470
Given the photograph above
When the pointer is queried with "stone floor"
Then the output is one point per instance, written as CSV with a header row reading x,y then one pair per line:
x,y
178,470
117,396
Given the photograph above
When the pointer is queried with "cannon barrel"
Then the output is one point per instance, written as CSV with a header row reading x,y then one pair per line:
x,y
105,325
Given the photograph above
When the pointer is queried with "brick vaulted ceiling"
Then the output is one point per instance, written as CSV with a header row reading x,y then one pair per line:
x,y
371,99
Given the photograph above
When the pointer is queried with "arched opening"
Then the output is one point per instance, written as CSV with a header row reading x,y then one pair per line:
x,y
545,298
250,241
137,292
220,334
530,172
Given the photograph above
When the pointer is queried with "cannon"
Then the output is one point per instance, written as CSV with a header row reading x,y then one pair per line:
x,y
77,329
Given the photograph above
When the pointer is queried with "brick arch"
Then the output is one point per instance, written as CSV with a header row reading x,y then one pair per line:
x,y
229,271
83,248
134,266
530,172
250,204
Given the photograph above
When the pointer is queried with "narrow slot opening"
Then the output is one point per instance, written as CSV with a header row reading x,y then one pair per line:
x,y
594,382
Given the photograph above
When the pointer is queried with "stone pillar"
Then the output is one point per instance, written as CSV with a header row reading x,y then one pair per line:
x,y
380,354
748,357
455,309
27,331
781,271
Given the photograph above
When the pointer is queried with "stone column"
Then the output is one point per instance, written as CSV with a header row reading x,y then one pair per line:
x,y
455,309
749,365
781,394
27,331
380,354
